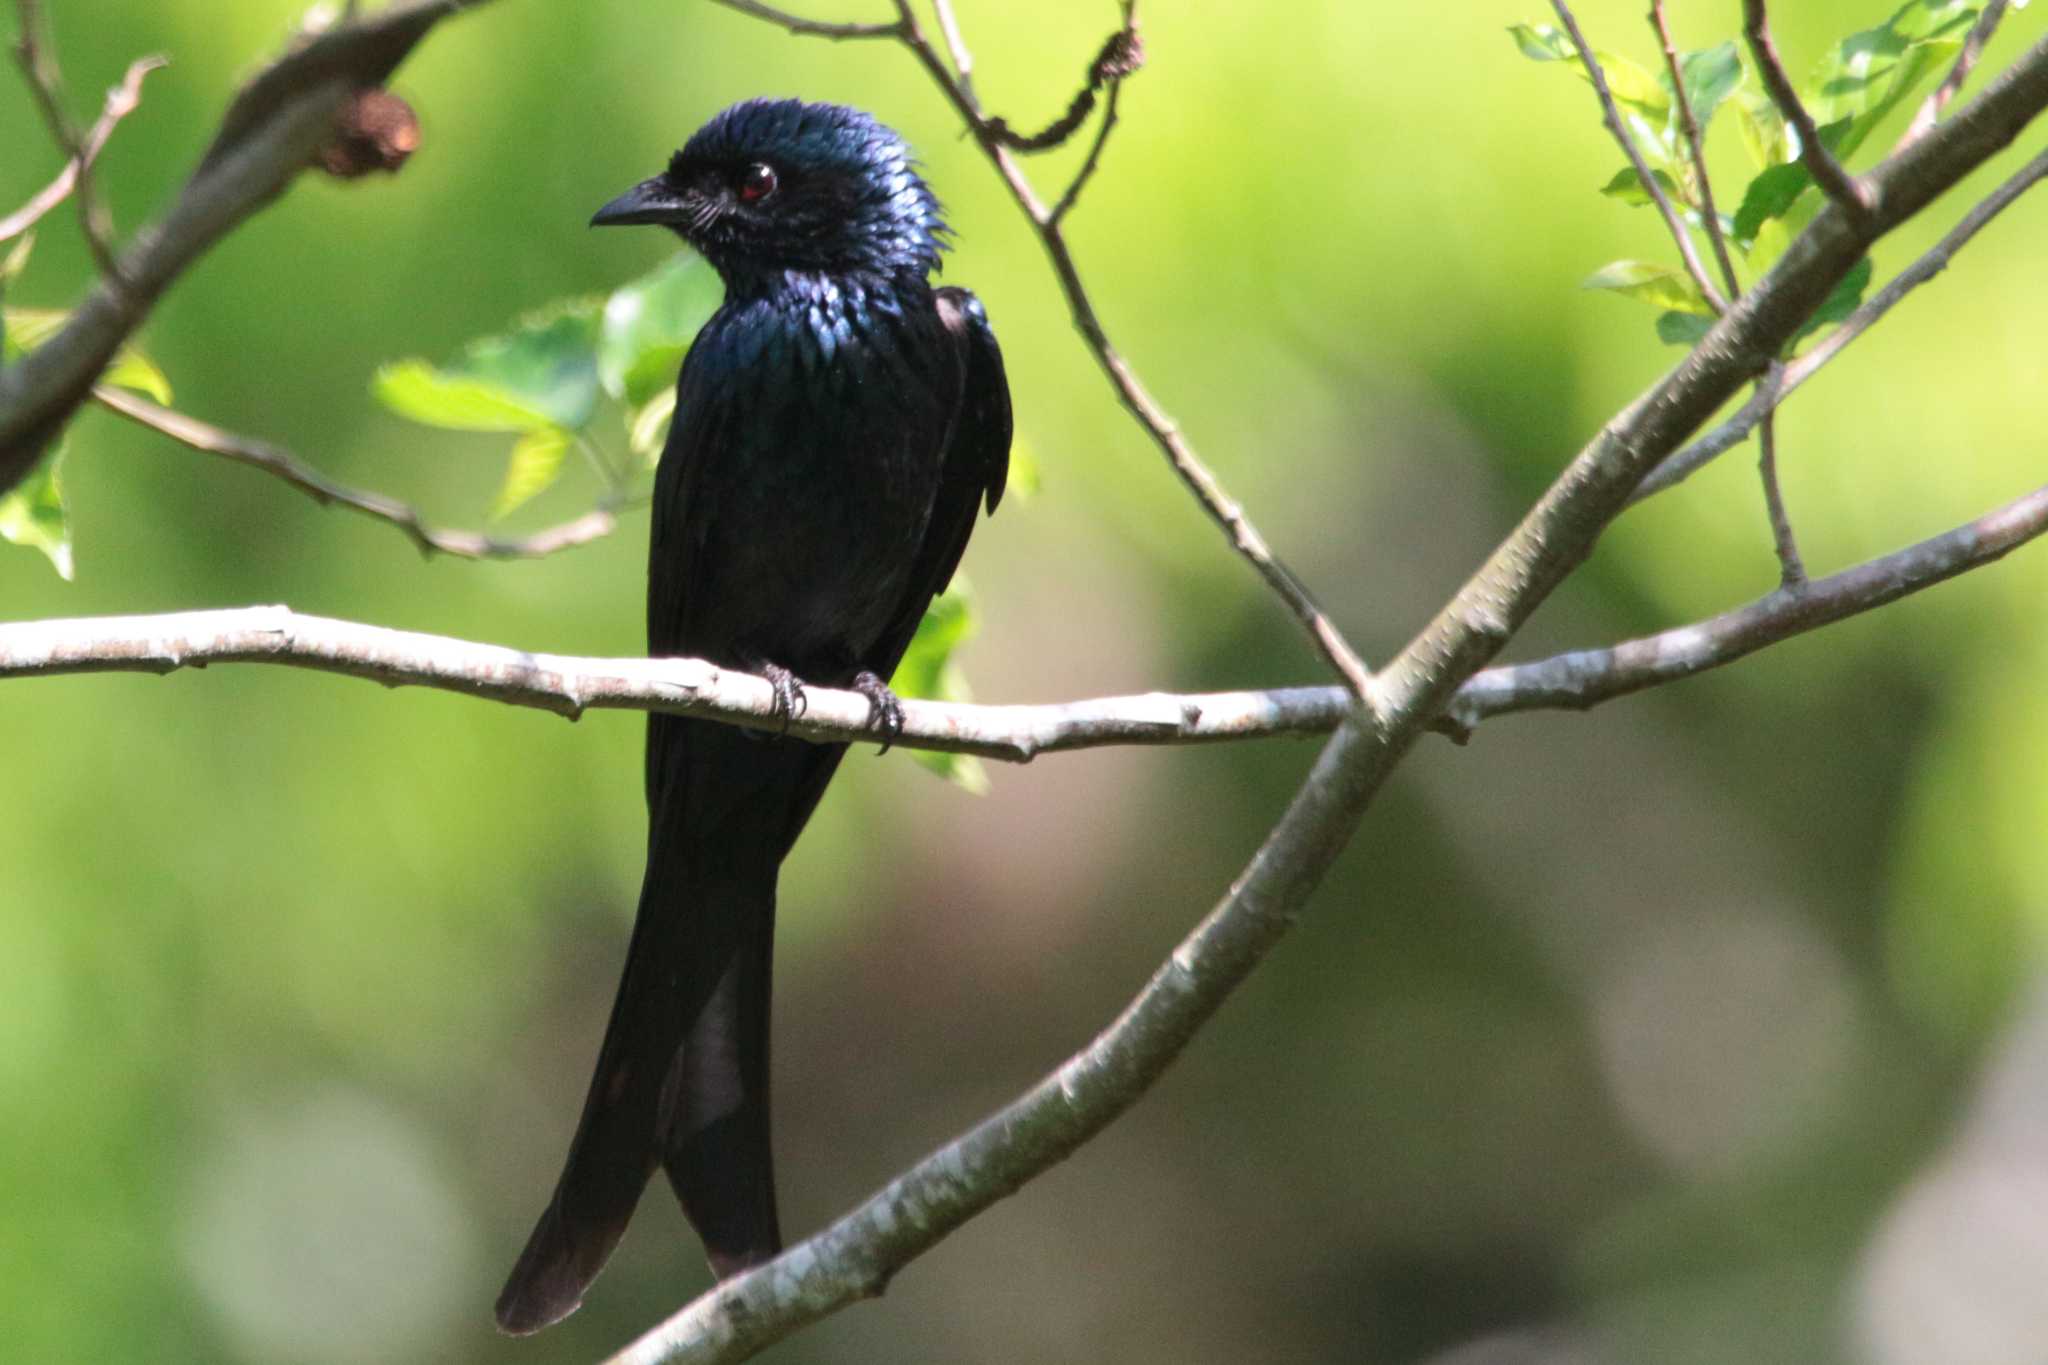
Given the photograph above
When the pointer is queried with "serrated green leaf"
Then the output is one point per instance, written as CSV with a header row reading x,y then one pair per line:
x,y
647,428
32,514
1711,76
1660,286
543,371
416,390
1631,85
28,328
1842,300
1682,329
535,463
649,324
1627,186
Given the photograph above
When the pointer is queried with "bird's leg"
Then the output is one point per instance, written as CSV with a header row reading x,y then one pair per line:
x,y
790,702
885,712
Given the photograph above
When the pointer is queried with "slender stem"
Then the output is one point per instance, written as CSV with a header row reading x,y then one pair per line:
x,y
1081,177
39,63
1966,61
963,60
122,101
282,464
1834,181
1610,114
1696,147
813,28
1791,569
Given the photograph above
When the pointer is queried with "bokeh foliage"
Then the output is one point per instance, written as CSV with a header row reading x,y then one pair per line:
x,y
1650,1032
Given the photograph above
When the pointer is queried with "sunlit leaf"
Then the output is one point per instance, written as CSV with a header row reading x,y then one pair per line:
x,y
536,461
415,389
32,514
1629,83
1769,196
1711,76
647,430
543,371
648,325
928,670
1763,130
28,328
1869,74
1660,286
17,259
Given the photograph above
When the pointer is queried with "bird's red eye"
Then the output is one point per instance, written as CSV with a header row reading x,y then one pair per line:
x,y
756,182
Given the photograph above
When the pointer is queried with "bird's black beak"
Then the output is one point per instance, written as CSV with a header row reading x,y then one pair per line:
x,y
650,201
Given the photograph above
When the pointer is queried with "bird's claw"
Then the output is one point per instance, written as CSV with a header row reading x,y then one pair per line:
x,y
885,712
790,702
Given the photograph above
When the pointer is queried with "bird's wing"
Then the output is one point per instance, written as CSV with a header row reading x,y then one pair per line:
x,y
977,466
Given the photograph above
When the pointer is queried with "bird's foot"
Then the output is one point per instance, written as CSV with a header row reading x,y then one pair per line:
x,y
790,702
885,712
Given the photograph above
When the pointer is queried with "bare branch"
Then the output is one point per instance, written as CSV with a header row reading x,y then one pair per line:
x,y
275,460
569,686
266,137
1610,114
1072,193
1769,396
956,45
122,101
1835,182
1588,677
1691,126
38,60
1120,56
812,28
1966,61
1791,568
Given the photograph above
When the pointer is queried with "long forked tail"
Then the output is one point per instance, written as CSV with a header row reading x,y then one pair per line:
x,y
682,1077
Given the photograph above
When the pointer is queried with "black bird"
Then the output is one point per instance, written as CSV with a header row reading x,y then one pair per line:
x,y
838,424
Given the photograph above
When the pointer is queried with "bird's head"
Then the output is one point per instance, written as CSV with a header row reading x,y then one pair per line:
x,y
775,185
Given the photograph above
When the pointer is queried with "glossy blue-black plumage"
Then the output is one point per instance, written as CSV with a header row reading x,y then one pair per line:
x,y
839,424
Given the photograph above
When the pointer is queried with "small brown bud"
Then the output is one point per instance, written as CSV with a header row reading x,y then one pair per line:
x,y
375,131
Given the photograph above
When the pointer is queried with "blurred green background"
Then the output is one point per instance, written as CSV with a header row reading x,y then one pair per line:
x,y
1708,1027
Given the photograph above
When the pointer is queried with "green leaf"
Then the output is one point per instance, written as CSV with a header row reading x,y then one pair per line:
x,y
1842,300
647,427
1763,130
1627,186
536,461
1631,85
1682,329
1868,74
415,389
648,325
928,670
32,514
17,259
544,371
28,328
1711,76
1657,285
1769,196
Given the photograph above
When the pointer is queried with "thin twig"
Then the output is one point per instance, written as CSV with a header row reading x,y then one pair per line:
x,y
38,60
1835,182
1610,114
1693,142
122,101
1091,161
813,28
963,60
1791,569
277,461
1208,490
1731,433
569,686
1966,61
